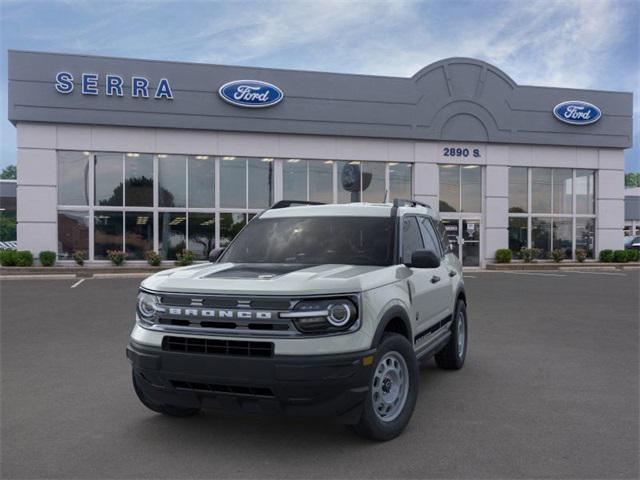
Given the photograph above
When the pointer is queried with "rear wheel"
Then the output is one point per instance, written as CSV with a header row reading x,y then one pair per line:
x,y
170,410
452,356
393,390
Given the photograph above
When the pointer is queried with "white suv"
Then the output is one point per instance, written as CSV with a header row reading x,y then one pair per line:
x,y
311,310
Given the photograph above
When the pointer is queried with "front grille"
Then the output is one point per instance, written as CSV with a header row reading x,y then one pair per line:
x,y
217,347
230,389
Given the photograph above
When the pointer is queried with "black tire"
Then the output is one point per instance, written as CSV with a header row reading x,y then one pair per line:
x,y
371,425
169,410
451,357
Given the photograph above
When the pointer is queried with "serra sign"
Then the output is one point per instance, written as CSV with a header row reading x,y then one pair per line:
x,y
113,85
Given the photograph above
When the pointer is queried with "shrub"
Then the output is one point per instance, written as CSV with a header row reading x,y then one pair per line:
x,y
526,254
537,253
47,258
185,257
117,257
606,255
24,258
8,258
581,254
620,256
503,255
152,257
79,256
633,255
558,255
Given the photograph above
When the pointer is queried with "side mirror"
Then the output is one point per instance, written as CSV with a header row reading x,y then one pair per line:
x,y
214,254
424,259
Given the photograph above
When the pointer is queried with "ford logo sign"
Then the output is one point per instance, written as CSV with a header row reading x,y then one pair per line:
x,y
577,112
250,93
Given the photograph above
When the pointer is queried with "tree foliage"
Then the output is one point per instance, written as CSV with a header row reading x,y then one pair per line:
x,y
9,173
632,179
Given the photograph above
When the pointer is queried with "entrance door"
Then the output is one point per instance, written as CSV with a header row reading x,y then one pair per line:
x,y
464,237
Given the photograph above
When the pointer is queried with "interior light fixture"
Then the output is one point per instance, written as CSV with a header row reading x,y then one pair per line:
x,y
202,157
86,153
267,160
133,155
470,166
328,162
162,155
228,158
293,160
393,164
355,162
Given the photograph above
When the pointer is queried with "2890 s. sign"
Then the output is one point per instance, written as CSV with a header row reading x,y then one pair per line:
x,y
250,93
577,112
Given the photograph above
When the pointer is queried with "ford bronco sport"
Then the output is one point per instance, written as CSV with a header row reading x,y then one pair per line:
x,y
311,310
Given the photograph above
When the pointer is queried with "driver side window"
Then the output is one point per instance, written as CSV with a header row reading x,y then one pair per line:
x,y
411,238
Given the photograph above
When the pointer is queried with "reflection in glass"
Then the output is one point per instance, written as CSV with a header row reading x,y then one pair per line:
x,y
108,179
321,181
348,181
541,190
233,182
541,235
562,190
172,190
73,178
138,177
471,188
518,190
73,233
260,182
451,229
585,235
562,233
399,180
202,233
107,232
585,191
449,188
230,226
201,182
172,231
373,181
138,234
294,179
517,235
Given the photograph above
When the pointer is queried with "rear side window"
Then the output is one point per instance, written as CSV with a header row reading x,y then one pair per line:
x,y
431,241
411,238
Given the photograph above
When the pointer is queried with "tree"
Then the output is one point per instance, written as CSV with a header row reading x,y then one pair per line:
x,y
632,180
9,172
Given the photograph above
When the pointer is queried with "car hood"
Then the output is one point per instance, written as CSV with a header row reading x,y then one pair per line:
x,y
271,279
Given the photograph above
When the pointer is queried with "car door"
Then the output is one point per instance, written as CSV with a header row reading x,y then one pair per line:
x,y
425,284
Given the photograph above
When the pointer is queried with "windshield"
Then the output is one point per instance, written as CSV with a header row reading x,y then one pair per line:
x,y
314,241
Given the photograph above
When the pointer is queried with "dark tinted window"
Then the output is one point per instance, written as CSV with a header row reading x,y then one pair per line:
x,y
430,237
411,238
315,241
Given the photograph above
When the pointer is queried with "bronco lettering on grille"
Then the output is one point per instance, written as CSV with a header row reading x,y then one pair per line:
x,y
214,313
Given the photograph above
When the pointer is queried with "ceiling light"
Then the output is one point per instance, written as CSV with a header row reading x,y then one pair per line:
x,y
448,166
293,160
329,162
162,155
355,162
267,159
393,164
228,158
133,154
86,153
470,166
202,157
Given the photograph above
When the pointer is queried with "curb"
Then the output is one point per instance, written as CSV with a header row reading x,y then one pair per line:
x,y
562,266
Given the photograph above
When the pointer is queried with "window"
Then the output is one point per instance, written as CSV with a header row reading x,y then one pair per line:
x,y
585,235
444,237
73,232
373,182
411,238
202,178
172,231
172,189
562,190
138,234
517,235
562,235
518,190
107,233
138,173
321,181
233,182
449,188
429,236
460,188
400,180
202,233
541,235
294,179
230,226
260,182
585,192
73,178
471,188
108,179
541,190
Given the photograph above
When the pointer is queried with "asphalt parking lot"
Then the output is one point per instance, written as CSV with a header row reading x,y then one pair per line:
x,y
550,389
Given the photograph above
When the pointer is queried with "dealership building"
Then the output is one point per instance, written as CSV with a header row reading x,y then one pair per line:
x,y
141,155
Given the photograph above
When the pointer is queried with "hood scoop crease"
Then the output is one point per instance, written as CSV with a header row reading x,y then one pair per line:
x,y
258,271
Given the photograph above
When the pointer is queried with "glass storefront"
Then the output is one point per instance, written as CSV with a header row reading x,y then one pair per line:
x,y
168,203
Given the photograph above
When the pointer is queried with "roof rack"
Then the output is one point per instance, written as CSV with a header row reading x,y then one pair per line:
x,y
403,202
289,203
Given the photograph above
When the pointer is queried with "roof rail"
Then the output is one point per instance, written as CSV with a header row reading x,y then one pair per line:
x,y
403,202
289,203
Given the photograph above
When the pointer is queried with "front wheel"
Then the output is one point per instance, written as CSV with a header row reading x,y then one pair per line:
x,y
452,356
393,390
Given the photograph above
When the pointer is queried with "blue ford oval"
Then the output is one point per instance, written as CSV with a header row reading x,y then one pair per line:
x,y
577,112
250,93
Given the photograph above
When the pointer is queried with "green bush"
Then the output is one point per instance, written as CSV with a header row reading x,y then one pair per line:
x,y
620,256
79,256
633,255
47,258
185,257
24,258
581,254
606,255
8,258
153,258
526,254
503,255
117,257
558,255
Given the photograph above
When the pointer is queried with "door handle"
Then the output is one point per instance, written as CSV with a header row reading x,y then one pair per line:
x,y
435,279
452,273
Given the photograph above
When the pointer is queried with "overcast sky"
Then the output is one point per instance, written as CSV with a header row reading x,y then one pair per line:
x,y
566,43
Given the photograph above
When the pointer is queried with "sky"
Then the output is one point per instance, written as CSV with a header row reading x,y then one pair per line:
x,y
566,43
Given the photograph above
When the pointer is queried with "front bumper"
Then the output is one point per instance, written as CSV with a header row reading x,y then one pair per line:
x,y
311,385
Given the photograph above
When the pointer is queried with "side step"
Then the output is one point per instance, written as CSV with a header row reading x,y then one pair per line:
x,y
434,345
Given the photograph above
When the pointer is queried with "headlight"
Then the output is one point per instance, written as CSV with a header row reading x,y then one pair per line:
x,y
146,307
323,316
